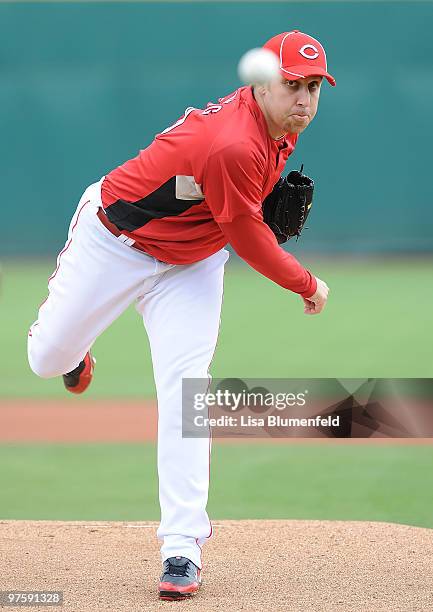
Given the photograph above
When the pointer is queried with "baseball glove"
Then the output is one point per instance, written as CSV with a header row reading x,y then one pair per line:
x,y
288,205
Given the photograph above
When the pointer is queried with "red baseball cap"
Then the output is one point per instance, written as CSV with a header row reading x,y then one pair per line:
x,y
300,56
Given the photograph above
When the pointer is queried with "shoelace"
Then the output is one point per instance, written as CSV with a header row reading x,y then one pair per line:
x,y
177,570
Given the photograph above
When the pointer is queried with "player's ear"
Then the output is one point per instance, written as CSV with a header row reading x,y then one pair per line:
x,y
258,89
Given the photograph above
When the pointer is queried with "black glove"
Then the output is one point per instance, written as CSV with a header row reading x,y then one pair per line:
x,y
286,208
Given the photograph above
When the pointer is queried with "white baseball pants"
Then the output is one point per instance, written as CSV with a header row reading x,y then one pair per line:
x,y
96,279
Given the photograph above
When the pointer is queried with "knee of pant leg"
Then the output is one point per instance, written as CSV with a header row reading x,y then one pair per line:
x,y
44,362
194,371
41,368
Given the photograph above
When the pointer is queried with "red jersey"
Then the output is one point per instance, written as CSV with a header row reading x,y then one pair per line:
x,y
182,197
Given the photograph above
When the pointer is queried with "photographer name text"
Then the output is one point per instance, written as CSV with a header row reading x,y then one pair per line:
x,y
268,421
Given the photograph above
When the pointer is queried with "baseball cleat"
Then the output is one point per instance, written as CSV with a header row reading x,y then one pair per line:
x,y
180,579
80,378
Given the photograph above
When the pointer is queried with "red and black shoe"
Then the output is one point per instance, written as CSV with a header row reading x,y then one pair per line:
x,y
80,378
180,579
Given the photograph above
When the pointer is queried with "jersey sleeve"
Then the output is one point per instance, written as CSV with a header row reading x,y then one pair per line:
x,y
232,183
255,242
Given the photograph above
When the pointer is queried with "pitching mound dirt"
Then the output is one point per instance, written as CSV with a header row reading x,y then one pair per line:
x,y
252,566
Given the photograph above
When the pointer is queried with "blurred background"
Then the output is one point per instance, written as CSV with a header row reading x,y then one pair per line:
x,y
83,87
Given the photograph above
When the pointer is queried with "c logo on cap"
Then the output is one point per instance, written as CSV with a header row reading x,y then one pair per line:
x,y
312,56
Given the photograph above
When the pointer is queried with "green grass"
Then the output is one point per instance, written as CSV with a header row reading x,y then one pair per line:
x,y
118,482
375,325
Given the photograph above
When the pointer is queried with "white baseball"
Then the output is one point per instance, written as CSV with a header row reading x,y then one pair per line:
x,y
258,66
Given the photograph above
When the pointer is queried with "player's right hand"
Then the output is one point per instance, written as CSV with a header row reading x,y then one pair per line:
x,y
316,303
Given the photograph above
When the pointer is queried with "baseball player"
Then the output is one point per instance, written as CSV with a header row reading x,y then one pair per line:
x,y
153,232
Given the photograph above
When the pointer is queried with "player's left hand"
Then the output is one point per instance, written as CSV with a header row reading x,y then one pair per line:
x,y
288,205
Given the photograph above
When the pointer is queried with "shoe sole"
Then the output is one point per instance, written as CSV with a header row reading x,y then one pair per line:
x,y
174,595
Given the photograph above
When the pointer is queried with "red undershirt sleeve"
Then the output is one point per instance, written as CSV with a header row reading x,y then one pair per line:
x,y
255,242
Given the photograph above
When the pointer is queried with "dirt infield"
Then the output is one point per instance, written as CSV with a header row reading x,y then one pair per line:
x,y
290,566
75,420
